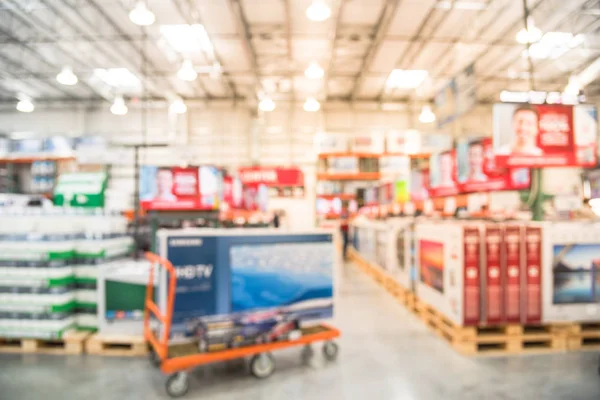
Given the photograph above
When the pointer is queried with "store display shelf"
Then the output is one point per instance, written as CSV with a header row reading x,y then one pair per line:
x,y
72,342
29,160
361,176
341,196
371,155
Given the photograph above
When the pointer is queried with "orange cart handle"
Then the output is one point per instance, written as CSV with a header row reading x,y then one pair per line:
x,y
161,345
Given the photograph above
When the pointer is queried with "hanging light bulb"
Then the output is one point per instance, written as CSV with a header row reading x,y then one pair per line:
x,y
530,35
427,116
25,105
141,15
266,104
187,71
178,107
314,71
573,88
67,77
311,105
118,106
318,11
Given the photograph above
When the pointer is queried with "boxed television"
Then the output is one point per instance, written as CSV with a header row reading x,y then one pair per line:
x,y
448,256
401,251
570,254
236,277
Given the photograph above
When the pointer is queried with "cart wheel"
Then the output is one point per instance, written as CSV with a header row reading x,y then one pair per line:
x,y
178,384
330,351
262,365
154,359
307,354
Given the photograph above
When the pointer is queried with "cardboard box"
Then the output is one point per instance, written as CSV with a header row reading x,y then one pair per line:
x,y
493,275
400,251
512,251
449,269
571,271
532,290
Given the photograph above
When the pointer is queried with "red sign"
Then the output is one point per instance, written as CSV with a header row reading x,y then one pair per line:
x,y
179,188
254,176
544,135
442,174
478,171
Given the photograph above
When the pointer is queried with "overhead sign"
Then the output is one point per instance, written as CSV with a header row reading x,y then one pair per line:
x,y
180,188
545,135
271,176
478,171
457,97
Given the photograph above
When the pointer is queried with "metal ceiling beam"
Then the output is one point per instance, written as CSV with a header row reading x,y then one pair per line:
x,y
191,16
560,18
288,37
333,35
138,50
244,29
383,23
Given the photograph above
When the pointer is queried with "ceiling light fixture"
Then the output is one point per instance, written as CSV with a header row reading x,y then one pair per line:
x,y
67,77
266,104
187,39
314,71
427,116
141,15
530,35
187,71
312,105
118,106
178,107
318,11
406,79
25,105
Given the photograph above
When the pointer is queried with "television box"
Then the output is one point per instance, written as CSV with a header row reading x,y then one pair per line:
x,y
228,275
492,276
400,251
570,271
513,248
381,235
448,256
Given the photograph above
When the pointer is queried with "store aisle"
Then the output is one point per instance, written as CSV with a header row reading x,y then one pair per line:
x,y
386,353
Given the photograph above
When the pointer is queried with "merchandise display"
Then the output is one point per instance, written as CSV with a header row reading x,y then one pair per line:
x,y
49,259
225,275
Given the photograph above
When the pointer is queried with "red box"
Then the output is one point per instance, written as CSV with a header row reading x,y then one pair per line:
x,y
493,287
472,263
512,251
532,312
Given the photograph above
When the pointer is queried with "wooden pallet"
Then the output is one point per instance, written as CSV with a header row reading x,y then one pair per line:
x,y
583,336
494,340
72,342
116,345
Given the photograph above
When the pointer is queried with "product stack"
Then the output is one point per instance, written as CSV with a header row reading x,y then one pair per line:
x,y
46,283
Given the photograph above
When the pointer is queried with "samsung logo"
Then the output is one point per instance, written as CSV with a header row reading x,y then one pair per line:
x,y
185,242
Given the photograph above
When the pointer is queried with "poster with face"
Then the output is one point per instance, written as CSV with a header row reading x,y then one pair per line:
x,y
442,179
478,171
545,135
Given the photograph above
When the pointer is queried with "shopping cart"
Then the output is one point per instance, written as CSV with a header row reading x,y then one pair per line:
x,y
176,359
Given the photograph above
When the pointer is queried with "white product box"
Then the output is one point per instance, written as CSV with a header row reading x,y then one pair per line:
x,y
400,251
571,271
448,261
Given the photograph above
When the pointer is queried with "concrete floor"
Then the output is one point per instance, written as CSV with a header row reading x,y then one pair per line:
x,y
386,353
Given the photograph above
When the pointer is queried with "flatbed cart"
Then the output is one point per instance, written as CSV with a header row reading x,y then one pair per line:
x,y
176,359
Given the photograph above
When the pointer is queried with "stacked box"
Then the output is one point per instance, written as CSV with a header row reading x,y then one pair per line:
x,y
570,254
449,268
44,282
400,251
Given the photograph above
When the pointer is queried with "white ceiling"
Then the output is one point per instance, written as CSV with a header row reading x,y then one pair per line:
x,y
266,45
